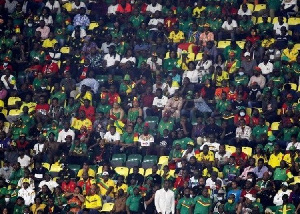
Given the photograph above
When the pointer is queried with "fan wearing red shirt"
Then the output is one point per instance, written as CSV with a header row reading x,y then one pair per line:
x,y
50,69
35,68
181,179
170,21
5,65
68,185
85,183
41,110
113,96
88,109
124,7
249,189
240,157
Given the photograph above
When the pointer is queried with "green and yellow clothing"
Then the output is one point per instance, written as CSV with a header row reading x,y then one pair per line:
x,y
88,95
61,96
78,123
182,142
202,204
31,106
39,54
197,11
288,132
220,78
274,91
215,9
104,186
215,24
28,120
288,158
176,37
264,27
17,131
285,209
266,43
232,66
37,83
142,34
274,160
105,108
228,49
139,128
231,171
259,130
210,156
205,172
6,41
175,154
127,138
133,115
278,81
13,194
122,47
296,68
241,80
289,55
184,205
16,175
80,149
269,148
246,25
71,109
169,64
222,105
3,192
19,209
259,206
60,200
131,188
230,208
126,88
134,202
282,174
165,125
92,201
136,20
184,25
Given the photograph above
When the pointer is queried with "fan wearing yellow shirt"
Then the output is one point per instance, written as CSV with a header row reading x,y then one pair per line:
x,y
77,123
275,157
120,185
84,94
86,168
93,200
176,36
106,187
49,43
205,155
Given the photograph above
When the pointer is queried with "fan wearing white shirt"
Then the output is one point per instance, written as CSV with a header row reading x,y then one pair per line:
x,y
244,11
65,132
156,19
112,9
111,60
243,133
293,143
153,7
27,194
192,73
112,137
48,182
228,28
24,160
39,146
53,6
277,26
165,199
266,66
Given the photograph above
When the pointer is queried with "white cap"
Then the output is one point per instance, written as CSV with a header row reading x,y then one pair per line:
x,y
246,54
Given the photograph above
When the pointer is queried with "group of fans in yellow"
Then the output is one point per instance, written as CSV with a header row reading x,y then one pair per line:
x,y
149,106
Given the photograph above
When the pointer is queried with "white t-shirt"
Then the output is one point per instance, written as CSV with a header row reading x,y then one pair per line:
x,y
266,68
227,26
51,184
152,64
75,7
25,161
242,13
192,75
132,59
277,27
155,22
297,145
111,59
289,4
212,146
155,87
11,80
63,134
109,137
152,9
222,158
112,9
160,102
54,6
146,140
82,33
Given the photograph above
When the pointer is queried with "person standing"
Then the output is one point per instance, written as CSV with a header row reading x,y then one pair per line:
x,y
165,200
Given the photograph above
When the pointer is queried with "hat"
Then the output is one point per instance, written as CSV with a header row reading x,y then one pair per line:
x,y
257,69
271,138
206,25
246,54
285,184
48,57
127,77
292,148
105,173
191,143
250,196
26,180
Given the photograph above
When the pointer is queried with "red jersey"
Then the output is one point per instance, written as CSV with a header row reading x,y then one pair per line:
x,y
242,157
89,112
237,118
251,191
8,67
180,181
42,108
112,98
68,187
170,22
85,186
52,68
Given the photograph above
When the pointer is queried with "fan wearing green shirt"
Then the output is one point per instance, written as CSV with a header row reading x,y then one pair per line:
x,y
286,207
185,204
203,203
127,141
259,130
222,104
134,202
136,19
230,206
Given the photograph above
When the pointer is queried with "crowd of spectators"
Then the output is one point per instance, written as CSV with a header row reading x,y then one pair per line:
x,y
149,107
